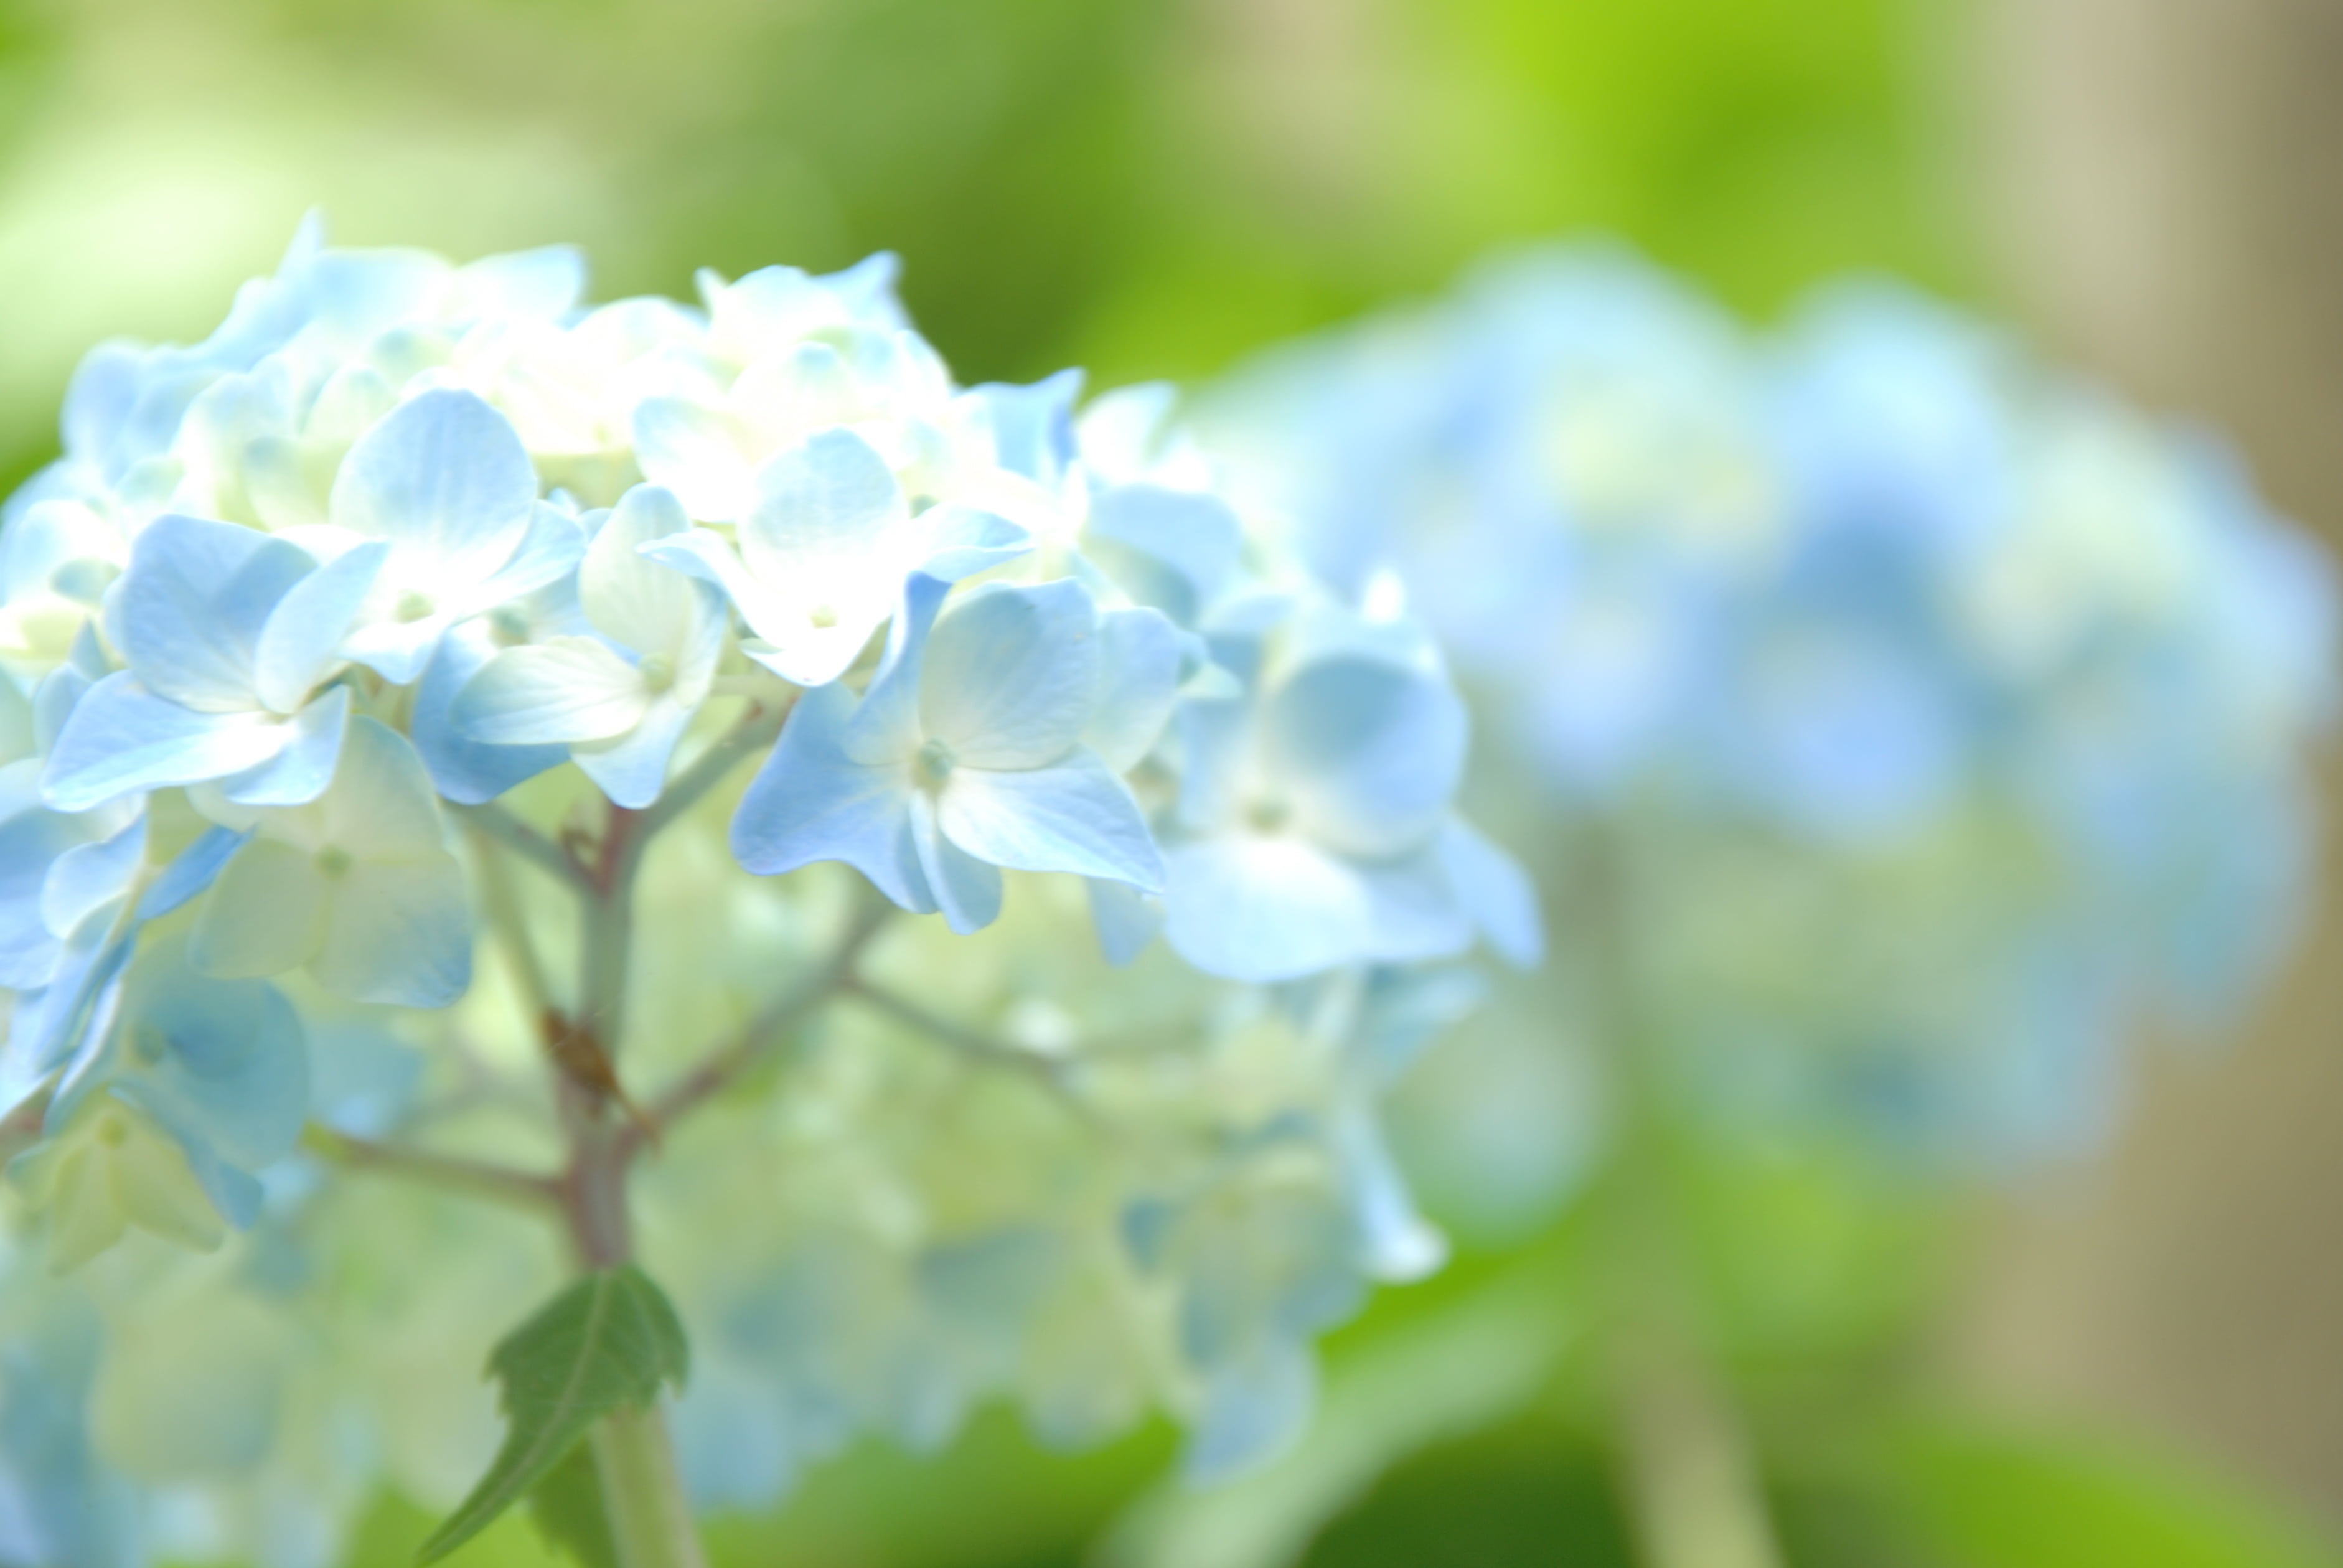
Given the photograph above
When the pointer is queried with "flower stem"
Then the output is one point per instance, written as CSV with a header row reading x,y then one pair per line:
x,y
1688,1475
642,1493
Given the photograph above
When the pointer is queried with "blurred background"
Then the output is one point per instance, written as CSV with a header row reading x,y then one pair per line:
x,y
1152,189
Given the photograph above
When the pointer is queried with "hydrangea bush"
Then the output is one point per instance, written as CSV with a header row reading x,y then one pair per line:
x,y
1933,719
477,765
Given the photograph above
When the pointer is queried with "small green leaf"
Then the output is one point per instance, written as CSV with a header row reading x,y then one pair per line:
x,y
608,1340
567,1507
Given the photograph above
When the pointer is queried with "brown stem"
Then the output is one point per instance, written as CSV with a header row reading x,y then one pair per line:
x,y
756,1039
479,1176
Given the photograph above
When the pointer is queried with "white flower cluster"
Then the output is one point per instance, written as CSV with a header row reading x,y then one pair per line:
x,y
431,708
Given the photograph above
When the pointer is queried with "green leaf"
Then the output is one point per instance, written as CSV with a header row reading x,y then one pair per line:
x,y
1995,1500
567,1507
607,1341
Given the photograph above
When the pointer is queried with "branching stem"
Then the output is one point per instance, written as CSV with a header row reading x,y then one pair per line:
x,y
477,1177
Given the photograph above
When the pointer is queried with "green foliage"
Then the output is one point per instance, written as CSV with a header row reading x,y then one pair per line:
x,y
1992,1500
607,1341
569,1509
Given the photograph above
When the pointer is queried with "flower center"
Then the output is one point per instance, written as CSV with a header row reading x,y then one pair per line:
x,y
657,672
507,626
113,1129
823,616
933,765
148,1043
333,862
414,605
1269,816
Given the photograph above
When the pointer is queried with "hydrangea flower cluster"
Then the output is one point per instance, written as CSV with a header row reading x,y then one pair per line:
x,y
1934,718
455,733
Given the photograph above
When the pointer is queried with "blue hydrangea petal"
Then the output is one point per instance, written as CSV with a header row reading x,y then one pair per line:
x,y
1140,656
465,770
123,737
444,479
694,451
1264,908
1125,919
811,802
189,612
88,877
1033,427
967,890
297,646
1177,550
886,728
1369,753
568,689
399,934
222,1061
1495,890
1011,674
632,768
266,914
310,747
827,499
1075,816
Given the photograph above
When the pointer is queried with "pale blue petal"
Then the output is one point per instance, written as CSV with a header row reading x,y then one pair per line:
x,y
30,843
1140,655
963,541
1126,919
636,602
399,651
1033,427
1075,816
1495,893
89,877
1264,908
1368,752
692,451
189,613
1399,1245
123,737
1011,674
546,282
300,771
399,934
569,689
195,870
465,770
810,802
1177,550
632,770
886,728
444,479
221,1058
55,1027
549,551
1415,910
53,703
832,495
967,890
297,646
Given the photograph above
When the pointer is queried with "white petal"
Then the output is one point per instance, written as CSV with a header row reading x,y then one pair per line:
x,y
570,689
263,915
1074,817
695,452
1264,908
399,934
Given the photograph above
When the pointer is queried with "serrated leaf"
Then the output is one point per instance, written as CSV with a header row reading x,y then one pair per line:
x,y
568,1508
607,1341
